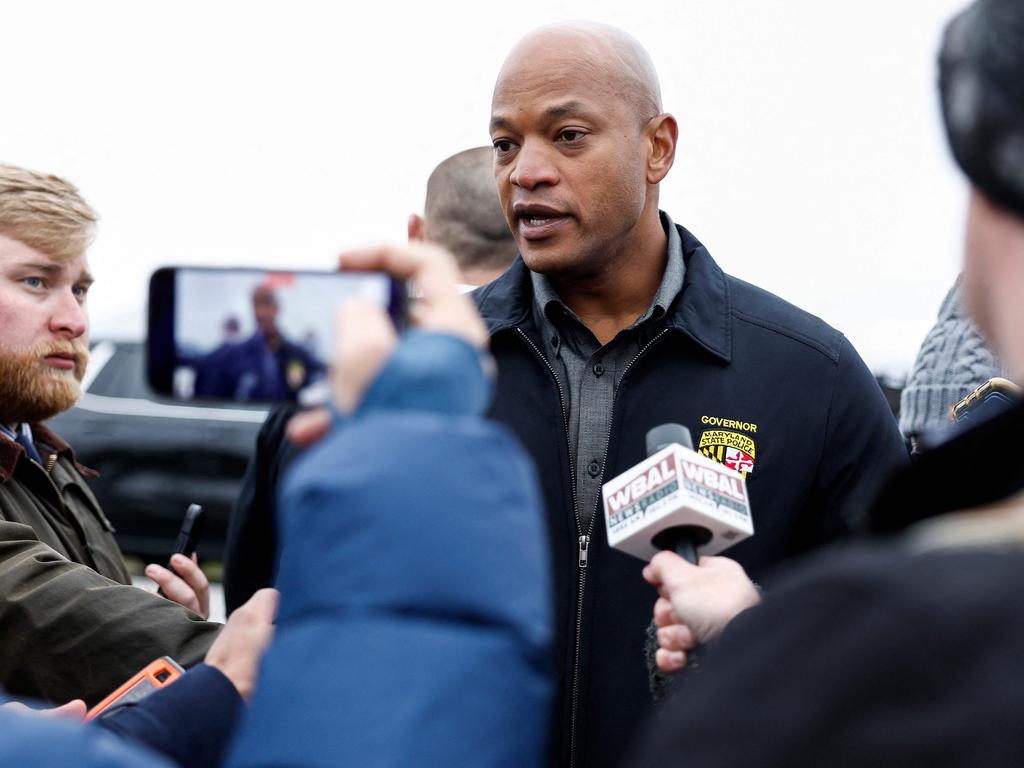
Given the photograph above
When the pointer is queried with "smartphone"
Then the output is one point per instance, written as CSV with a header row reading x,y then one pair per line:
x,y
252,335
991,398
188,535
191,530
152,677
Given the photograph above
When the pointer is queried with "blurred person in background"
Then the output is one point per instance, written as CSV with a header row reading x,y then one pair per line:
x,y
906,650
462,215
952,362
265,367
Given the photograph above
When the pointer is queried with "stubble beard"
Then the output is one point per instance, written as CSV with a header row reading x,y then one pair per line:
x,y
31,390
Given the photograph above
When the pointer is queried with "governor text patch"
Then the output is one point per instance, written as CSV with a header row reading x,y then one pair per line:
x,y
733,449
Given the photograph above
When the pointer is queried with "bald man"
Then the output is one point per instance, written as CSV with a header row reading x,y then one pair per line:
x,y
615,320
463,214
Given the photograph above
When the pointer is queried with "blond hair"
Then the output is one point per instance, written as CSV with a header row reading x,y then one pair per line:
x,y
44,212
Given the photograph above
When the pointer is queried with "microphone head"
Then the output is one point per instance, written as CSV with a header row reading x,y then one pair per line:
x,y
665,435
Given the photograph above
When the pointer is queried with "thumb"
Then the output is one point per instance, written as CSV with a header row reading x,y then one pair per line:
x,y
308,426
365,338
73,710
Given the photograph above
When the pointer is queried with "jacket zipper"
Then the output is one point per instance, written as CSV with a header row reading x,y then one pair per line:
x,y
584,538
584,543
51,461
583,558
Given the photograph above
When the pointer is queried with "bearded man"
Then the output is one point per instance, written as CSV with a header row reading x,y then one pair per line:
x,y
71,624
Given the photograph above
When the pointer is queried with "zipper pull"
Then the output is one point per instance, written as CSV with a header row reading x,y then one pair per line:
x,y
584,543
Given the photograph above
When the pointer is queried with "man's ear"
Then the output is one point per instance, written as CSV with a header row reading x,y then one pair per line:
x,y
417,228
661,134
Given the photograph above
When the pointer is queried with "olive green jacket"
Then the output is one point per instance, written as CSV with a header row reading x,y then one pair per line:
x,y
71,624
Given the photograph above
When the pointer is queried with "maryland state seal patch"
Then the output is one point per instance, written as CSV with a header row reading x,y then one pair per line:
x,y
733,449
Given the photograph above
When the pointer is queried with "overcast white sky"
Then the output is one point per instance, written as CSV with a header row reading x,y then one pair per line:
x,y
811,159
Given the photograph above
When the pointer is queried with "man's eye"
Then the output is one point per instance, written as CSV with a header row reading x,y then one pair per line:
x,y
502,145
571,135
80,291
34,282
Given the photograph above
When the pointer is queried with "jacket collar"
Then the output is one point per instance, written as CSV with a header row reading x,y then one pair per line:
x,y
11,453
702,311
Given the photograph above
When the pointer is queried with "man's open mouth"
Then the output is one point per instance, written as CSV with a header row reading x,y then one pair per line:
x,y
537,221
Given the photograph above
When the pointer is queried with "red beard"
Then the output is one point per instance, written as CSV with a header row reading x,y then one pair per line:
x,y
31,390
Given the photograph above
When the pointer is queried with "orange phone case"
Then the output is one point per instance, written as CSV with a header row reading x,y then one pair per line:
x,y
152,677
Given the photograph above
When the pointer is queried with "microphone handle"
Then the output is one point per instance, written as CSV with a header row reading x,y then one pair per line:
x,y
686,548
683,540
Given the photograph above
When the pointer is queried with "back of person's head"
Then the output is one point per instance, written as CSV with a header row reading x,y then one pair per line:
x,y
462,213
44,212
981,79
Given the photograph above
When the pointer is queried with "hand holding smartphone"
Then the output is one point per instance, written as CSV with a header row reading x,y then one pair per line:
x,y
188,536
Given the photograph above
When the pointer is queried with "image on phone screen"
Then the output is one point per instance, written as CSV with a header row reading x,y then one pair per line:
x,y
251,335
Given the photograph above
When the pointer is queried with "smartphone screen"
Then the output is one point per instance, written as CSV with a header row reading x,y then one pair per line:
x,y
252,335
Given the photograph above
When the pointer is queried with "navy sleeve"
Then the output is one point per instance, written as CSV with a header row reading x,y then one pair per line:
x,y
251,545
861,448
190,721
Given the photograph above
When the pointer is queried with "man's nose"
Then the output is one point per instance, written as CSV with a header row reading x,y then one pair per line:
x,y
68,318
534,166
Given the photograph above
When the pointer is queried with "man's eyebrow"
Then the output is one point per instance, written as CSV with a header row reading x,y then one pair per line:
x,y
500,122
554,112
50,268
40,266
567,108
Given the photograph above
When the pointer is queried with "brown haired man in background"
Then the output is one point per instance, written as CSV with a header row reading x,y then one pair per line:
x,y
71,624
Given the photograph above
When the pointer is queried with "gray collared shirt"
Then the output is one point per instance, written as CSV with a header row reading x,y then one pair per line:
x,y
589,374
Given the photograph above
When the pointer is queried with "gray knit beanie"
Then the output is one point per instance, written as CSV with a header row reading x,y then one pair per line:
x,y
952,362
981,82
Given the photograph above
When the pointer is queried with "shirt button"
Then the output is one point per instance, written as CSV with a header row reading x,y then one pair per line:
x,y
598,369
594,468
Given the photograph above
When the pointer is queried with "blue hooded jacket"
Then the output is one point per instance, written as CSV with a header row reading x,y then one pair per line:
x,y
415,622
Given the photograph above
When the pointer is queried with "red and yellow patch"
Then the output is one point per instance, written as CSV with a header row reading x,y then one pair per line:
x,y
733,449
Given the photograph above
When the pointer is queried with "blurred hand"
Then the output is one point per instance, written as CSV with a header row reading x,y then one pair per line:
x,y
74,710
186,584
695,602
240,646
365,337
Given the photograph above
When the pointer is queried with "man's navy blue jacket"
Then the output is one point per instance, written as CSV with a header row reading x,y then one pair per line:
x,y
757,381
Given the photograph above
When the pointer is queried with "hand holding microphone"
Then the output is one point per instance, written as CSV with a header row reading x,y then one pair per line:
x,y
695,602
693,507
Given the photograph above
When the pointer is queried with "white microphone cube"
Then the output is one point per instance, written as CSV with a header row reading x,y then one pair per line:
x,y
676,487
